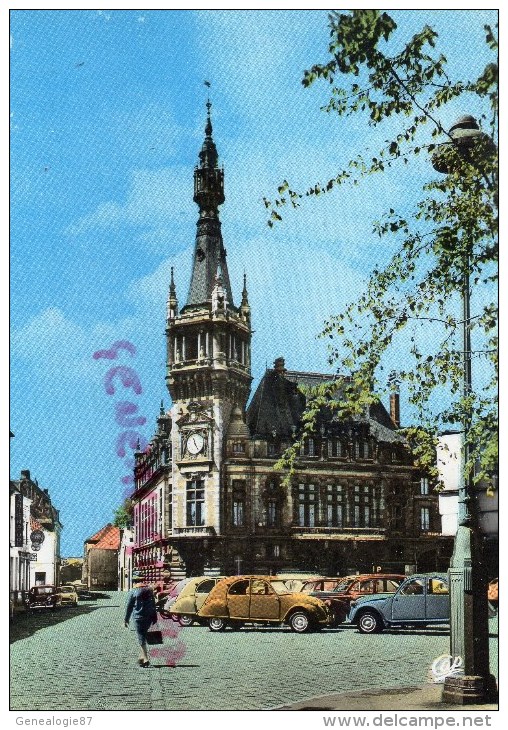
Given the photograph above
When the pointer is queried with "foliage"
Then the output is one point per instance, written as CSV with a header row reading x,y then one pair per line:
x,y
448,242
124,515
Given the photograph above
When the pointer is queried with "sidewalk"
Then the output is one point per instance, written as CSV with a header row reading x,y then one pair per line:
x,y
400,699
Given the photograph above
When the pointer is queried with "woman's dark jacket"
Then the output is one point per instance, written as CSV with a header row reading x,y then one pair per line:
x,y
141,605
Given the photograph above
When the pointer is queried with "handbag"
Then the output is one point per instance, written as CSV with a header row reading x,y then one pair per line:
x,y
154,637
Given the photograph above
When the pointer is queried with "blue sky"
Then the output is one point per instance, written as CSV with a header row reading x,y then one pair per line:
x,y
107,118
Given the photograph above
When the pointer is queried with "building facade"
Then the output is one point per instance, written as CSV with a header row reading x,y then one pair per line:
x,y
125,559
207,499
20,552
100,559
37,524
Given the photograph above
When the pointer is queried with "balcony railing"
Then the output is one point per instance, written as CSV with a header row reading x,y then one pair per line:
x,y
349,531
194,531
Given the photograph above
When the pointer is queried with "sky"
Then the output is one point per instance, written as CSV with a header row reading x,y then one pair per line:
x,y
107,115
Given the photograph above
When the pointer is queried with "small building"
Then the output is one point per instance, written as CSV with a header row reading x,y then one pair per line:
x,y
125,559
20,553
71,570
100,559
41,533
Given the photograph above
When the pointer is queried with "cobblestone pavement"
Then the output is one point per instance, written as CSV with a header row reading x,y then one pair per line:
x,y
84,659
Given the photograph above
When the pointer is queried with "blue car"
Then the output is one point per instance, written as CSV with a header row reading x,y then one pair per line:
x,y
421,600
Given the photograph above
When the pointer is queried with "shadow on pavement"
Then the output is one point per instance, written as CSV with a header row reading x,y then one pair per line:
x,y
26,623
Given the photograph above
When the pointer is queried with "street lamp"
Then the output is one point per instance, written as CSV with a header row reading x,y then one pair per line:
x,y
469,631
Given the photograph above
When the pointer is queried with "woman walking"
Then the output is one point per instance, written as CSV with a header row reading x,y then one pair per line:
x,y
141,606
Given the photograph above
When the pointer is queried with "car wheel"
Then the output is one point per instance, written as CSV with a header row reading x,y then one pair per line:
x,y
166,614
299,622
186,620
216,624
369,623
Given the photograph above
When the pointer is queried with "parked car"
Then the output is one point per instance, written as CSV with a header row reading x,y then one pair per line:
x,y
162,593
340,592
421,600
262,599
186,605
164,605
295,581
43,596
84,594
68,595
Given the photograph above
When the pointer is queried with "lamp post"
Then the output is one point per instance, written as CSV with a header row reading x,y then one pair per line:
x,y
469,633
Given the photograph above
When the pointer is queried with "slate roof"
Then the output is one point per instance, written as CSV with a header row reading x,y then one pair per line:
x,y
277,405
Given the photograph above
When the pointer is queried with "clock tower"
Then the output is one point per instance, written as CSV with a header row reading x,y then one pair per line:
x,y
208,366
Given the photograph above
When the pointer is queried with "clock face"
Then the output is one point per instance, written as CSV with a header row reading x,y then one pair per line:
x,y
195,443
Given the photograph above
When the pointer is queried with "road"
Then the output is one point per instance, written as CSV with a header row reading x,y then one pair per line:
x,y
84,659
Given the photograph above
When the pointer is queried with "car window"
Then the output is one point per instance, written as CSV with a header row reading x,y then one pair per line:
x,y
390,586
260,587
413,588
366,587
240,588
344,585
279,586
437,586
329,585
310,586
205,586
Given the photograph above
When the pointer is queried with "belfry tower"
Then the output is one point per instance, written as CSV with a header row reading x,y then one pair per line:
x,y
208,361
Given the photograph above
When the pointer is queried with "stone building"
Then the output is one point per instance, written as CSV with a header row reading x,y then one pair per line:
x,y
207,498
100,559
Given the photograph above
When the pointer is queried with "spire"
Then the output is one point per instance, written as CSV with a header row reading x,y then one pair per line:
x,y
209,251
172,301
208,156
245,298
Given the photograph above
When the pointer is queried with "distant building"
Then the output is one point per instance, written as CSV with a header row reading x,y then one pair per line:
x,y
207,498
100,559
125,559
39,557
71,570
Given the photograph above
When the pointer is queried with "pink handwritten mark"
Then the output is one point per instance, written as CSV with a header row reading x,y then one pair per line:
x,y
127,375
169,654
112,353
131,438
124,409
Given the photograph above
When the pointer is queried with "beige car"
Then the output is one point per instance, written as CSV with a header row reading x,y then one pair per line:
x,y
186,605
262,599
69,596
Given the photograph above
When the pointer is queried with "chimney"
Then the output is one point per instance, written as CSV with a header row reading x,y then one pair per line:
x,y
25,474
279,366
395,408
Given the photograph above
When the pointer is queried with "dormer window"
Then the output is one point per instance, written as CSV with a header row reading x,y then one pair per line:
x,y
238,447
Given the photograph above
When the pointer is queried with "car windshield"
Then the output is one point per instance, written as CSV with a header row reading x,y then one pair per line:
x,y
67,589
279,586
43,590
344,585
